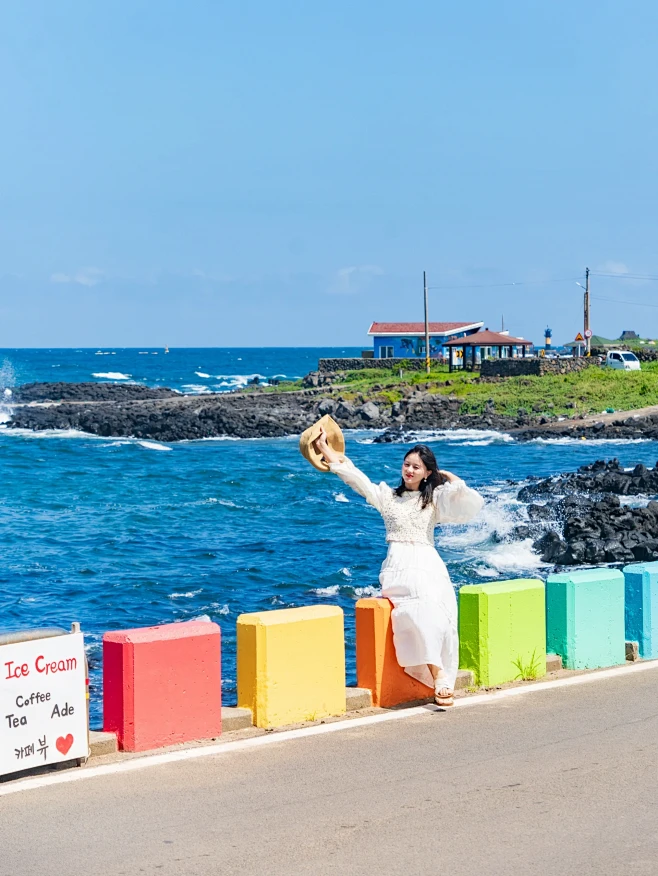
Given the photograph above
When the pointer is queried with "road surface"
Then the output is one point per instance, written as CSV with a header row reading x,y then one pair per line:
x,y
562,782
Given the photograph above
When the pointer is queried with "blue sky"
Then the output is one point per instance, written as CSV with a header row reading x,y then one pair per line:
x,y
228,174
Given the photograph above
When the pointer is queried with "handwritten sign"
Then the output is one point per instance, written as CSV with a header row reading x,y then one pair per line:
x,y
43,702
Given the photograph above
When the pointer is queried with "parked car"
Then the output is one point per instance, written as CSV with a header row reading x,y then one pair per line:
x,y
622,360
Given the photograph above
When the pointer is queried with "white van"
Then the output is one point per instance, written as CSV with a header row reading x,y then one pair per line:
x,y
623,360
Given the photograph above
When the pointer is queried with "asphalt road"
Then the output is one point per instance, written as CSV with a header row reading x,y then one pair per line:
x,y
557,783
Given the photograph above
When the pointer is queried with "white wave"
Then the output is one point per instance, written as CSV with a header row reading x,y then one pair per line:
x,y
463,436
52,433
224,609
112,375
196,389
597,441
326,591
235,380
341,497
345,571
364,592
151,445
515,556
501,512
484,572
187,595
201,374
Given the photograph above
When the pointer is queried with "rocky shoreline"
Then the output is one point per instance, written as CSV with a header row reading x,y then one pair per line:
x,y
577,518
129,410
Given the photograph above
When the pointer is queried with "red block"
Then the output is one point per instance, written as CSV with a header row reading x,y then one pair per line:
x,y
377,668
162,685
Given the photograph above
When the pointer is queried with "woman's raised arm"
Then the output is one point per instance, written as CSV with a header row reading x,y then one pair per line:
x,y
348,473
455,502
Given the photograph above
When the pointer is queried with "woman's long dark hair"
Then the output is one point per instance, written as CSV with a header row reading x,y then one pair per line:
x,y
430,483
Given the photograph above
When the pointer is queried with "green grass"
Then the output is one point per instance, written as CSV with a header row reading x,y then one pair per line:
x,y
585,392
528,671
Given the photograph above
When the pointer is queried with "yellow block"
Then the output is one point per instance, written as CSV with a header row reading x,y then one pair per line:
x,y
291,664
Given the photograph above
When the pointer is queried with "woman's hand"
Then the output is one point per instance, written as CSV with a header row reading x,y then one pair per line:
x,y
448,476
322,447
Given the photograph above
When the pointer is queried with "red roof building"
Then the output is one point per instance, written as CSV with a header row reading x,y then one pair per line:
x,y
417,329
406,340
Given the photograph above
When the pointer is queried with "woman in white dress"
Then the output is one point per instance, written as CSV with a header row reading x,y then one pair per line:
x,y
413,576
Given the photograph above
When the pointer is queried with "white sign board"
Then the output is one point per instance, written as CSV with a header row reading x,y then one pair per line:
x,y
43,703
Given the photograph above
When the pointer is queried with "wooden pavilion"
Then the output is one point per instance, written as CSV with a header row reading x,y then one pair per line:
x,y
485,339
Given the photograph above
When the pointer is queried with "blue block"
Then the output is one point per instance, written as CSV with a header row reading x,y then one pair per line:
x,y
585,618
642,607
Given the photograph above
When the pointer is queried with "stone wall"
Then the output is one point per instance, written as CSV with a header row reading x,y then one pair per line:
x,y
354,364
531,366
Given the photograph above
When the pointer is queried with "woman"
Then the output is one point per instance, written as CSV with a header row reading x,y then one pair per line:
x,y
413,575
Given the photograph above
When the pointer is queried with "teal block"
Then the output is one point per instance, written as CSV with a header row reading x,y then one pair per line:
x,y
642,607
585,621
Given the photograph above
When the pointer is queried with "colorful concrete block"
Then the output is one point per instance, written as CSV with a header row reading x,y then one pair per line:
x,y
585,617
641,580
502,630
377,668
291,664
162,685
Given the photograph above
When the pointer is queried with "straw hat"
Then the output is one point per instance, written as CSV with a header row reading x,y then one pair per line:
x,y
335,440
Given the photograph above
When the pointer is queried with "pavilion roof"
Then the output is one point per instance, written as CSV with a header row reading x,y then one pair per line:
x,y
489,339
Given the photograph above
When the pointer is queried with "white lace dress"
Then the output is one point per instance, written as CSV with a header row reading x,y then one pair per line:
x,y
413,575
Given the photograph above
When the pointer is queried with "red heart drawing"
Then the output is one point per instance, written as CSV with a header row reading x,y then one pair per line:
x,y
64,743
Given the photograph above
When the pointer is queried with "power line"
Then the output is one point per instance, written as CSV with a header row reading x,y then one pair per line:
x,y
513,283
620,301
626,276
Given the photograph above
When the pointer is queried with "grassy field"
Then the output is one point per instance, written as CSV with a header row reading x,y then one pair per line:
x,y
590,391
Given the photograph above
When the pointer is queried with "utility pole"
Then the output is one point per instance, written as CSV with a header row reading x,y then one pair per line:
x,y
427,327
588,336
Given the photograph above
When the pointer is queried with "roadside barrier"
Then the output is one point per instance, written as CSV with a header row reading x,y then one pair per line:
x,y
641,600
502,630
291,664
585,618
162,685
377,668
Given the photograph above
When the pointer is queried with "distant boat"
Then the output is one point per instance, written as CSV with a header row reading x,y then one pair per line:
x,y
166,349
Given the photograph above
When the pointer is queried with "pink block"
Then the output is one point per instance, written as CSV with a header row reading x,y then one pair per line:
x,y
162,685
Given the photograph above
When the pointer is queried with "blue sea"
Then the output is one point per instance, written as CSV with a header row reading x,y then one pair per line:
x,y
118,533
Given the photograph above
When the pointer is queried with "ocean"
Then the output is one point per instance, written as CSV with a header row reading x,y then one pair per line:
x,y
119,533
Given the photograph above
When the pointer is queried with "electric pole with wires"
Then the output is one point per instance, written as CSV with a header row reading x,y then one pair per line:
x,y
427,327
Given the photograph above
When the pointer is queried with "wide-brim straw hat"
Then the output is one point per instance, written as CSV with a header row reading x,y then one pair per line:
x,y
335,440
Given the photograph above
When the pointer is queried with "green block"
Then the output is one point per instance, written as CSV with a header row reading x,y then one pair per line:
x,y
585,618
501,625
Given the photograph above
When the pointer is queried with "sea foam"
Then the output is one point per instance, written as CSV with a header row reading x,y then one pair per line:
x,y
112,375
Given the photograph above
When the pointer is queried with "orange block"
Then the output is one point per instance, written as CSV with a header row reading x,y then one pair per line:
x,y
377,668
162,685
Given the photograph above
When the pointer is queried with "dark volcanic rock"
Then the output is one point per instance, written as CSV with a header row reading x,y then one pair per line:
x,y
626,428
598,478
596,527
39,392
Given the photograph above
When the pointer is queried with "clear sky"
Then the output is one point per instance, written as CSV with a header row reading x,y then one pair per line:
x,y
248,173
